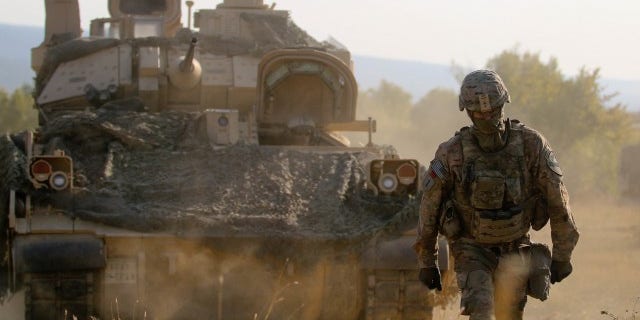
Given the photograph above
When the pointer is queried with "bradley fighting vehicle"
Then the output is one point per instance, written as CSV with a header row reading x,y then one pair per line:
x,y
178,174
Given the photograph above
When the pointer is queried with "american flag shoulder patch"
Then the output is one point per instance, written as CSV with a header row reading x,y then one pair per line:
x,y
436,170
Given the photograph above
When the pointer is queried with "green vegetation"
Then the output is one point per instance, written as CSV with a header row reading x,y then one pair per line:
x,y
573,113
16,110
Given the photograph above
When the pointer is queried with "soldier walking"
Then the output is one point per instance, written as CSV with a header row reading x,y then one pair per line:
x,y
484,190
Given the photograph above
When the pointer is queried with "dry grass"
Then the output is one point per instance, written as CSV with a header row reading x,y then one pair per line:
x,y
606,265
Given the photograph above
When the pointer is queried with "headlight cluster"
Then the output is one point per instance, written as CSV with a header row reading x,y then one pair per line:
x,y
53,172
394,177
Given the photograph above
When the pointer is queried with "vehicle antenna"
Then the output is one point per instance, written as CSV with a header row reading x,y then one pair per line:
x,y
189,5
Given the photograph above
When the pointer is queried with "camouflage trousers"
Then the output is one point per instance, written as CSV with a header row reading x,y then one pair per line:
x,y
493,280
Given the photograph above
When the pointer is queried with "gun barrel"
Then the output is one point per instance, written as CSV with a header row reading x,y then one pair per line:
x,y
187,64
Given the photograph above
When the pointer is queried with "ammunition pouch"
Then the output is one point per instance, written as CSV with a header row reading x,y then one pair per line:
x,y
450,223
539,271
498,226
487,192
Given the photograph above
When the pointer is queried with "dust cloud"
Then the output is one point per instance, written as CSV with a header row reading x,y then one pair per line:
x,y
231,281
247,281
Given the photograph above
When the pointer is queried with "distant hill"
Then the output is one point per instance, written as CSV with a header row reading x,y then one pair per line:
x,y
628,92
15,55
417,78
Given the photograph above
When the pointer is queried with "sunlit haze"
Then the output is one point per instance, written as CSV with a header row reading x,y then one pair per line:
x,y
590,33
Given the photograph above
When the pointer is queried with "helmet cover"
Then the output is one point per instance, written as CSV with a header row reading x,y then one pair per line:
x,y
482,90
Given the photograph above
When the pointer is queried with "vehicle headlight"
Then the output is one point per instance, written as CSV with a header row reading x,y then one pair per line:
x,y
387,182
54,171
59,181
397,177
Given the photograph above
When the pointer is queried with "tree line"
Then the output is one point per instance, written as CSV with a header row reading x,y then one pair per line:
x,y
577,117
16,110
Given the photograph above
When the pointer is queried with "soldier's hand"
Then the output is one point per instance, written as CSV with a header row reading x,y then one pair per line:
x,y
430,277
560,270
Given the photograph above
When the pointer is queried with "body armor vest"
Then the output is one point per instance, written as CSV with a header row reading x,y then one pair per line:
x,y
493,197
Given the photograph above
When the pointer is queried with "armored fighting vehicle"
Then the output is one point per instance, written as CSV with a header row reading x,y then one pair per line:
x,y
178,174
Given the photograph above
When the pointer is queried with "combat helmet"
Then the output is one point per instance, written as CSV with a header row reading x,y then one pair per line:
x,y
482,90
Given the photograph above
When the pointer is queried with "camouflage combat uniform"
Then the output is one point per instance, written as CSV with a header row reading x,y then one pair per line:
x,y
486,203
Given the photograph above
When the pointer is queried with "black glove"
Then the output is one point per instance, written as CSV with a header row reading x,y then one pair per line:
x,y
560,270
430,277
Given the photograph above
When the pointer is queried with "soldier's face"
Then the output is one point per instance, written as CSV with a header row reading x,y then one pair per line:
x,y
488,122
487,115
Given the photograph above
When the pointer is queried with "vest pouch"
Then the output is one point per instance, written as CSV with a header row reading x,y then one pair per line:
x,y
539,272
513,191
450,224
487,192
498,226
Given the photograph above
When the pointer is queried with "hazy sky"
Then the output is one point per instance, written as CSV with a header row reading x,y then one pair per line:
x,y
591,33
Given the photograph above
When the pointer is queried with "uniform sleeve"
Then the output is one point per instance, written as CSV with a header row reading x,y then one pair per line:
x,y
435,189
564,233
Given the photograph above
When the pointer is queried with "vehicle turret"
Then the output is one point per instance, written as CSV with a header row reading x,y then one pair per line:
x,y
186,72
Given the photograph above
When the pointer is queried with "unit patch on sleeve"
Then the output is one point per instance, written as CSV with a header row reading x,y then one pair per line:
x,y
552,162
